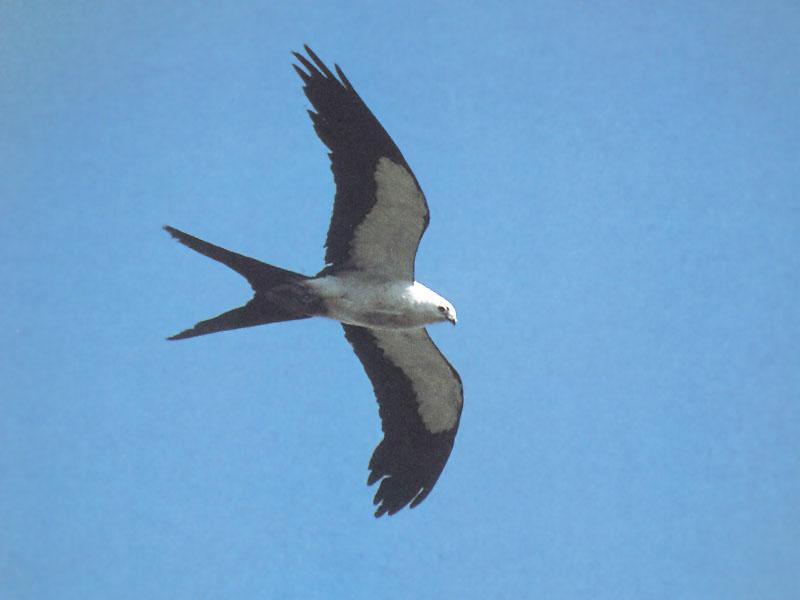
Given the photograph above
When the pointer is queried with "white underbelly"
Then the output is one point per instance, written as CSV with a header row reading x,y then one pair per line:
x,y
377,317
367,304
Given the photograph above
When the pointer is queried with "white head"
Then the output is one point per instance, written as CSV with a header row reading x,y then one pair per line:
x,y
435,307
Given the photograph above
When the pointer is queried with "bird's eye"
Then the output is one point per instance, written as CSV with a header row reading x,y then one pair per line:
x,y
442,309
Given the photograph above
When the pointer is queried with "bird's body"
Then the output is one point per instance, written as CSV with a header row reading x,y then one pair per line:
x,y
355,298
368,284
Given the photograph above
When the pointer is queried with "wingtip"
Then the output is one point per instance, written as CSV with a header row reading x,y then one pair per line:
x,y
180,336
342,77
303,75
318,62
296,54
306,65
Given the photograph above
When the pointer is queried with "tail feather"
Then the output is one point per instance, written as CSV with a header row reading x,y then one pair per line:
x,y
260,275
251,314
279,294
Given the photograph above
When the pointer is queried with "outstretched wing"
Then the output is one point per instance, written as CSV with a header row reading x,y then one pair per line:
x,y
380,212
420,396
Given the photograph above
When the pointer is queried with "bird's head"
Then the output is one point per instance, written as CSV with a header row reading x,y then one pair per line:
x,y
434,308
447,311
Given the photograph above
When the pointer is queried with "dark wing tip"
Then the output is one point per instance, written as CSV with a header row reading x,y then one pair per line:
x,y
407,471
317,68
343,78
303,75
394,494
321,65
306,64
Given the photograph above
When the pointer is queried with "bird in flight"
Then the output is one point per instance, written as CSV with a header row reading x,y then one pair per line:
x,y
368,284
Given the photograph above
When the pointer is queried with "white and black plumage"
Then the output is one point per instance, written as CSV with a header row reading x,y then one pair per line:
x,y
379,216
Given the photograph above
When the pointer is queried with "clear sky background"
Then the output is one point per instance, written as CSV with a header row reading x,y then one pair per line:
x,y
615,215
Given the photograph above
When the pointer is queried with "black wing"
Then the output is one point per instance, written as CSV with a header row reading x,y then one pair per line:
x,y
380,212
420,397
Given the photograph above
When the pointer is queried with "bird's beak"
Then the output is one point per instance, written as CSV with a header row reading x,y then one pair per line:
x,y
452,320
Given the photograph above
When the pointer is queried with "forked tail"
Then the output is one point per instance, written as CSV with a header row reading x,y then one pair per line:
x,y
279,294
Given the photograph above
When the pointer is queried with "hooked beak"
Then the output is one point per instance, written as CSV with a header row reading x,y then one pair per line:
x,y
452,320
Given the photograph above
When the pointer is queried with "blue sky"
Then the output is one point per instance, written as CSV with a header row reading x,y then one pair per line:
x,y
613,189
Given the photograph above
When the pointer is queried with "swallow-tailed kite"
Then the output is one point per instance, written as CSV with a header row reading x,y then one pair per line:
x,y
379,216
